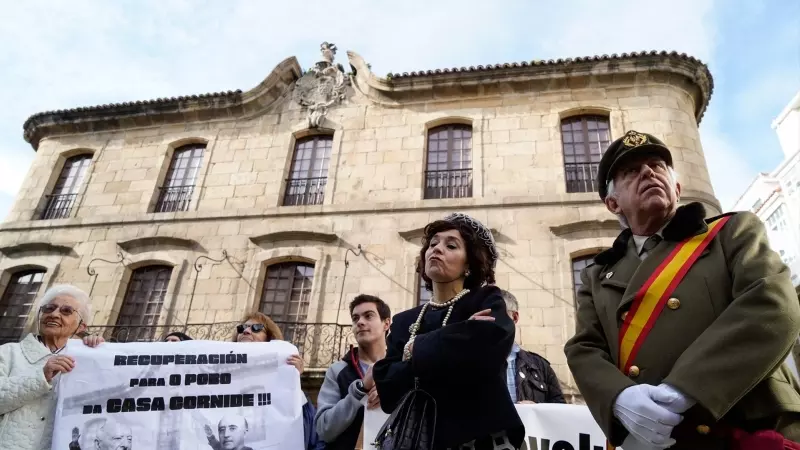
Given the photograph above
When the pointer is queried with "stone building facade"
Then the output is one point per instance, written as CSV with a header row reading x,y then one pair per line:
x,y
313,187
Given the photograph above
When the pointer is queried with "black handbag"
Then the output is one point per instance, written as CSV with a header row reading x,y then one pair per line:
x,y
412,424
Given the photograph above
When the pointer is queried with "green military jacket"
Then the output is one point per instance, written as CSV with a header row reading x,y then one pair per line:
x,y
722,339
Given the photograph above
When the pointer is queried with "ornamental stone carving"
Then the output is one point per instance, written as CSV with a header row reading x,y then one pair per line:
x,y
322,86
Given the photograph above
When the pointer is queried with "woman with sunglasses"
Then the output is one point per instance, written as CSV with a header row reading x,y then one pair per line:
x,y
257,327
29,369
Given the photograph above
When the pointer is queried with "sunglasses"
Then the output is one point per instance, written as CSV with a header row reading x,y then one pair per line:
x,y
255,328
65,310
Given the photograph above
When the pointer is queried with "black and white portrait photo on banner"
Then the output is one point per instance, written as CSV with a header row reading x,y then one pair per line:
x,y
198,395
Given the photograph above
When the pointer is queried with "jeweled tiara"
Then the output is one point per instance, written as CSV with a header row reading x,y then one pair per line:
x,y
483,233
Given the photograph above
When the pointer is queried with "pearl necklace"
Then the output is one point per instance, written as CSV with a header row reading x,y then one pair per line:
x,y
414,328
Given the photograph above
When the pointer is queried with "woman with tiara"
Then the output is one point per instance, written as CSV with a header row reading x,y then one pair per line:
x,y
455,346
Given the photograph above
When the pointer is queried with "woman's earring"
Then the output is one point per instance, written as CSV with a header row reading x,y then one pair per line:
x,y
466,273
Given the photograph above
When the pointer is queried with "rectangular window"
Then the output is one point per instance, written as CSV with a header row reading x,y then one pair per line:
x,y
309,172
583,139
141,308
16,303
65,192
286,296
448,172
423,294
176,193
777,220
578,264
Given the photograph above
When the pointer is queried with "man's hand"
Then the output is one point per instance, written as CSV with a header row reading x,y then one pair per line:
x,y
526,402
93,341
76,434
57,364
649,422
486,314
631,443
673,399
208,430
297,362
373,401
368,381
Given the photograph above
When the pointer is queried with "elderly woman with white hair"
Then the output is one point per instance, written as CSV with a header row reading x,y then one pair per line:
x,y
29,369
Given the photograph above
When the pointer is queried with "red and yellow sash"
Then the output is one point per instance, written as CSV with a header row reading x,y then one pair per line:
x,y
654,293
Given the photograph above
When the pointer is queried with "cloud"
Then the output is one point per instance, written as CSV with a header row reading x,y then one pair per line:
x,y
5,205
767,95
730,173
13,169
87,52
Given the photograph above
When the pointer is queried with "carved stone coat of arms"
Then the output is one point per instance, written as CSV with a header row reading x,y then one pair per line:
x,y
321,87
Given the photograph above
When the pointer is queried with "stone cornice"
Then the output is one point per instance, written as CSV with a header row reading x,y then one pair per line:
x,y
414,236
604,226
191,108
133,245
394,90
441,206
294,236
605,70
37,247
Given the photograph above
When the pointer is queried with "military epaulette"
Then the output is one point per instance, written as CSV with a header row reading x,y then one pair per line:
x,y
711,219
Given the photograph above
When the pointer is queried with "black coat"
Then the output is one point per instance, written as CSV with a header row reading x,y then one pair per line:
x,y
462,365
535,379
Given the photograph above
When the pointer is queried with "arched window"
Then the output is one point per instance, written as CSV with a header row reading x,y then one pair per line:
x,y
16,303
287,291
448,173
286,297
61,200
309,172
176,192
584,139
141,308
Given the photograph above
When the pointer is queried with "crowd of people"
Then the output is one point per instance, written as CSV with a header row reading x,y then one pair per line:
x,y
683,326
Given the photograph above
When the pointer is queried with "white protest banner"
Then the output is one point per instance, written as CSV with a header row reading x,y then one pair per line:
x,y
549,426
373,421
177,396
558,426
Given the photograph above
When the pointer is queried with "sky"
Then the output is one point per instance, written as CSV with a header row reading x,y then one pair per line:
x,y
61,54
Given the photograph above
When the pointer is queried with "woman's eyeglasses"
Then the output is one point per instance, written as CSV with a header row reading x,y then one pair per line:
x,y
65,310
255,328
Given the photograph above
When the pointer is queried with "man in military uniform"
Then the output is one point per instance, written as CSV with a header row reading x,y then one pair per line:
x,y
684,324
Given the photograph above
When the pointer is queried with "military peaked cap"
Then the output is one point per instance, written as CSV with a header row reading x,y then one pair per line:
x,y
633,143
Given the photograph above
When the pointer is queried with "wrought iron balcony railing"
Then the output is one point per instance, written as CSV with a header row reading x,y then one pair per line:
x,y
320,344
581,177
174,198
305,191
59,206
448,183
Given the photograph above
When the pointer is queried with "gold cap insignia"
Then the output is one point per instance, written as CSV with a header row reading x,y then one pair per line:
x,y
634,139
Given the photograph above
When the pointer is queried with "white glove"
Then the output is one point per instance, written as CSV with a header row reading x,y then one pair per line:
x,y
631,443
673,399
650,423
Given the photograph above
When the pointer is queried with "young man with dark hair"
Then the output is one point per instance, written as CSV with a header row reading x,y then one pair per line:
x,y
340,413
